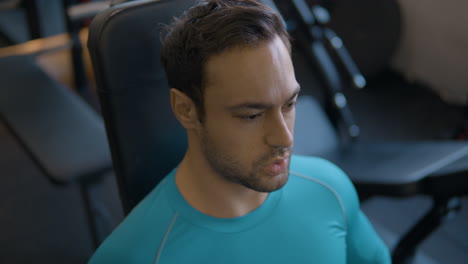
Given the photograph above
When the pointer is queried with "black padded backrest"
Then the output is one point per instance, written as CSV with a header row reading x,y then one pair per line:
x,y
145,138
62,133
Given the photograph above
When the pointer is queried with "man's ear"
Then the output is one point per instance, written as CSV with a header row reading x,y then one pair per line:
x,y
184,109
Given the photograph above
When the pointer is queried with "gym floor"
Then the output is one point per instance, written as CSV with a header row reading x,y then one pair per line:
x,y
44,222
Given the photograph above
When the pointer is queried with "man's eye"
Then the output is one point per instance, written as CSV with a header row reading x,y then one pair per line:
x,y
251,117
291,105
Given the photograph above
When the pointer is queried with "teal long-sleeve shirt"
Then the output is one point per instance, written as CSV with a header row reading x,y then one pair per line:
x,y
314,218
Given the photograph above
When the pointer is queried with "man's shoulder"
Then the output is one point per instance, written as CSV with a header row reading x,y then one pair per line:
x,y
145,226
317,171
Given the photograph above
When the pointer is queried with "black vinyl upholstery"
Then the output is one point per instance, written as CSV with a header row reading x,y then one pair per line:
x,y
62,133
145,138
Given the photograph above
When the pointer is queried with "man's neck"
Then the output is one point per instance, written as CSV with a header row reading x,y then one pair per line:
x,y
211,194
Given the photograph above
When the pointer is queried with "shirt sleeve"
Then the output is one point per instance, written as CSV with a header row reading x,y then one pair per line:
x,y
363,245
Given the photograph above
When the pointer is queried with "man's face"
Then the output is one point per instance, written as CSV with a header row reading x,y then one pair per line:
x,y
247,134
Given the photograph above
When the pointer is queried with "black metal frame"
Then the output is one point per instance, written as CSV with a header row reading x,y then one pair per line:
x,y
33,18
442,208
73,29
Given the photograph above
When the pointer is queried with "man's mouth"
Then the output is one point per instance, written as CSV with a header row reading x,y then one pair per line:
x,y
277,166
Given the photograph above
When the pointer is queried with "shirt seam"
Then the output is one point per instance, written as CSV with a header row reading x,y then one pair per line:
x,y
329,188
163,242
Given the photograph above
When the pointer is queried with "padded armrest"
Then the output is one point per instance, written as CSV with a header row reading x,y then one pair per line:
x,y
397,162
399,168
384,168
63,134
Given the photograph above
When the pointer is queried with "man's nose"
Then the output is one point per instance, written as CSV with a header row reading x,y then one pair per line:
x,y
280,131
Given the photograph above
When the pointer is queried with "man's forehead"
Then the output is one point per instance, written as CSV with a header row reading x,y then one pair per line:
x,y
249,71
231,63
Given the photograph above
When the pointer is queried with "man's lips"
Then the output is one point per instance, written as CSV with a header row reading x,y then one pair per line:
x,y
278,166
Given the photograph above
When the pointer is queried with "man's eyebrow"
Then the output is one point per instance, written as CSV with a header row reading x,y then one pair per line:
x,y
296,92
258,105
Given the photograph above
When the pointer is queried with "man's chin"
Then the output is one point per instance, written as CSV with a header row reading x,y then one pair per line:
x,y
271,184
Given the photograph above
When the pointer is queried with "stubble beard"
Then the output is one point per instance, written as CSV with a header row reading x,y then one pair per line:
x,y
230,169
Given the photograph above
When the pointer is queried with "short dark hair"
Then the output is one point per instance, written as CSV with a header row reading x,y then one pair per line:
x,y
210,28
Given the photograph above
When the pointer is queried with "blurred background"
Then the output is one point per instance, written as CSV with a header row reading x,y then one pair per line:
x,y
413,55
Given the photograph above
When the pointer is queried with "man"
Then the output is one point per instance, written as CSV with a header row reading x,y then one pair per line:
x,y
238,196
